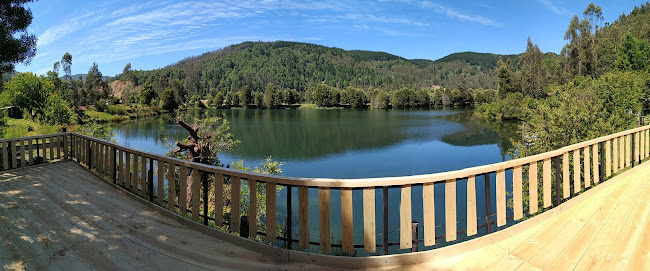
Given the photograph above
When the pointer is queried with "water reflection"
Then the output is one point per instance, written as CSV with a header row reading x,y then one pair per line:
x,y
340,143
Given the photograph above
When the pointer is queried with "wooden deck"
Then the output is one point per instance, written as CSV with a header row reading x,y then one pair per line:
x,y
60,216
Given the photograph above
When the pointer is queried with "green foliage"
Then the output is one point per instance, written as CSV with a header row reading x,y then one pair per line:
x,y
302,67
272,96
117,110
634,54
167,101
379,100
585,109
101,105
96,130
57,111
354,97
325,96
17,44
147,94
403,98
27,91
245,96
486,60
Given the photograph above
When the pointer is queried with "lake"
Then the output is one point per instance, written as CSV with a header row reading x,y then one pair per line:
x,y
338,143
347,143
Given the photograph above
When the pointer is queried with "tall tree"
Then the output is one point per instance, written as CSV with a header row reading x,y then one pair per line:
x,y
66,65
16,43
94,85
533,71
506,77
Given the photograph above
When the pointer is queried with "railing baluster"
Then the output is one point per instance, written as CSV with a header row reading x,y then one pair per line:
x,y
150,179
405,218
601,168
143,179
517,195
161,183
182,196
472,228
608,158
252,208
347,222
271,212
235,184
218,199
429,215
566,176
450,210
532,189
196,196
5,156
303,217
587,167
385,219
595,168
171,183
558,177
369,236
501,198
29,152
324,219
546,182
21,144
14,161
51,148
628,150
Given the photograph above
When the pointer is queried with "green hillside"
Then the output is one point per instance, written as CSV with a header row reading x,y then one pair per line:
x,y
302,66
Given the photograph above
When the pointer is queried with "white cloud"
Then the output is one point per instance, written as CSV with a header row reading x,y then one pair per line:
x,y
450,12
549,5
55,33
365,18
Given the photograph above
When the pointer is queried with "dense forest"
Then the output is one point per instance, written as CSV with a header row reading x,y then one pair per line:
x,y
599,84
597,57
237,74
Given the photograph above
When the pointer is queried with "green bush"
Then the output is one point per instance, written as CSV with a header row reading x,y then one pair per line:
x,y
101,105
117,110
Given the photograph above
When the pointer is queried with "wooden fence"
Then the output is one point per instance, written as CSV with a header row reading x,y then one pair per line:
x,y
202,196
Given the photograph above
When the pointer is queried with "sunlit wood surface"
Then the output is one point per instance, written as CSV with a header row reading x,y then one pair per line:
x,y
61,217
610,230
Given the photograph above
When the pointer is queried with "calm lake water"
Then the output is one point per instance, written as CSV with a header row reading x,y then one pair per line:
x,y
346,143
338,143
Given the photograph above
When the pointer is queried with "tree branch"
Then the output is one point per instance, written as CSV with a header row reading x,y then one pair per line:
x,y
192,131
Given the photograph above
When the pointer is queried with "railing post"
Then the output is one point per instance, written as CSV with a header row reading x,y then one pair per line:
x,y
385,220
204,180
414,237
557,181
288,217
488,207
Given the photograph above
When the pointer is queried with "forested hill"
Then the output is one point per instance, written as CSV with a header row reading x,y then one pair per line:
x,y
302,66
486,60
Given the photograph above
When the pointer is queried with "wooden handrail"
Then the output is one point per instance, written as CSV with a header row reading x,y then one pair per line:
x,y
593,161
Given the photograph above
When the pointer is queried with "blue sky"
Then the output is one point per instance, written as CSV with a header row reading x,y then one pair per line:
x,y
153,34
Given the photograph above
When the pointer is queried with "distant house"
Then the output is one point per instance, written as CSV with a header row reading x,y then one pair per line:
x,y
12,111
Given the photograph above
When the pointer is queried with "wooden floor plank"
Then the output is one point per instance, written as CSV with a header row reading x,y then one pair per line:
x,y
92,226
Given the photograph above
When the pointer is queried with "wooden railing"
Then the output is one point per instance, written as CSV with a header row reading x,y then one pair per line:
x,y
475,201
